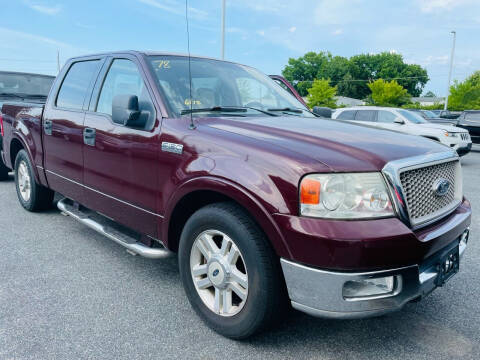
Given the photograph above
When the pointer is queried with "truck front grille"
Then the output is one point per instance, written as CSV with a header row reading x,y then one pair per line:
x,y
419,187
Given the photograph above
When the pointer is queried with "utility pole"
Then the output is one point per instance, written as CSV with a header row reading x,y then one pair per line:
x,y
223,30
58,62
450,71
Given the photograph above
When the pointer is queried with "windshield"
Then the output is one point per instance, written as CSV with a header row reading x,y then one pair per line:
x,y
25,84
429,114
413,117
220,85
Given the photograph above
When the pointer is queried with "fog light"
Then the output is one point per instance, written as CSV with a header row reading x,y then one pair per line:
x,y
367,288
464,236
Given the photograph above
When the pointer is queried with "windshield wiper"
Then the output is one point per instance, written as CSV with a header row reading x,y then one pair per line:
x,y
225,109
289,109
213,109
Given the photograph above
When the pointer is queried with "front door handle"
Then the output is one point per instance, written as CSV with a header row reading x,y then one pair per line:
x,y
47,127
89,136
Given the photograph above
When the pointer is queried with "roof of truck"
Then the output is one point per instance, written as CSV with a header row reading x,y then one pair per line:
x,y
149,53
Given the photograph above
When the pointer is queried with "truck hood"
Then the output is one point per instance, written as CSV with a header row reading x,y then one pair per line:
x,y
339,145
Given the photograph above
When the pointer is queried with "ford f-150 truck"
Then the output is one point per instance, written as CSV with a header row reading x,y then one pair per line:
x,y
265,205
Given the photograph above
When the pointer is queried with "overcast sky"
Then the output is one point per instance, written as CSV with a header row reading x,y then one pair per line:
x,y
260,33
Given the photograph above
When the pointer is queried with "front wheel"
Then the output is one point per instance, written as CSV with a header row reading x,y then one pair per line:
x,y
32,196
229,272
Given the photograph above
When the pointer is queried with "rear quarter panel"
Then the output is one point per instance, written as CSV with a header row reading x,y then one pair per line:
x,y
23,122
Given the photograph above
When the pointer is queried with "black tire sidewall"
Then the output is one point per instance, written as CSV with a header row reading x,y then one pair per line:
x,y
250,318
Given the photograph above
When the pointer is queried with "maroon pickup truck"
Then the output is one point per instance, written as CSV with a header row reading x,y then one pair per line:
x,y
265,205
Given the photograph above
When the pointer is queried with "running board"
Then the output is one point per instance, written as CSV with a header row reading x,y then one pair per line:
x,y
111,230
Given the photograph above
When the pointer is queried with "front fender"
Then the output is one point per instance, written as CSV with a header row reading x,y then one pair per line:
x,y
252,203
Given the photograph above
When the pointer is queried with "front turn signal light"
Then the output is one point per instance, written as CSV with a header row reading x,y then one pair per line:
x,y
310,192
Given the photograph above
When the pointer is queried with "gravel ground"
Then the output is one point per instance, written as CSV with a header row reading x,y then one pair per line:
x,y
69,293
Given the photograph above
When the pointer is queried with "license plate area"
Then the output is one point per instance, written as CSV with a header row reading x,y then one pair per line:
x,y
448,266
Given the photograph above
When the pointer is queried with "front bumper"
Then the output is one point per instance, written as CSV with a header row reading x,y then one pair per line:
x,y
320,293
464,150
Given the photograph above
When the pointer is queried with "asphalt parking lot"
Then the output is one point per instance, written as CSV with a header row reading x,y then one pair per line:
x,y
68,293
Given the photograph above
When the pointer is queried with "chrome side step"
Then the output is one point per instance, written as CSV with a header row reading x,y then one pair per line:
x,y
107,228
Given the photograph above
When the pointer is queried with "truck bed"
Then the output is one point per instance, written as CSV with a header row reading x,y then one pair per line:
x,y
22,121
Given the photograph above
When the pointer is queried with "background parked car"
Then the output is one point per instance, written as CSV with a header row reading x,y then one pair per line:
x,y
470,120
446,114
23,87
430,116
407,122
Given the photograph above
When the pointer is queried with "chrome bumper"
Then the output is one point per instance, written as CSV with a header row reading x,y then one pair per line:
x,y
319,292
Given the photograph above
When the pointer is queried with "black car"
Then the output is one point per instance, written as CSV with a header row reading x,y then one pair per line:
x,y
446,114
432,117
470,120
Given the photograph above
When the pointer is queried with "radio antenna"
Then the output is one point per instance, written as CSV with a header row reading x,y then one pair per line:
x,y
192,124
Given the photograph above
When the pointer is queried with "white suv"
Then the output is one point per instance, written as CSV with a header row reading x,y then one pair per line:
x,y
408,122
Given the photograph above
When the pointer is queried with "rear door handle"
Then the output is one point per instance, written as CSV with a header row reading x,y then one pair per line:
x,y
47,126
89,136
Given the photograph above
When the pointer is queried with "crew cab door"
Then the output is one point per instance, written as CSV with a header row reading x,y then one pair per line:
x,y
63,127
121,162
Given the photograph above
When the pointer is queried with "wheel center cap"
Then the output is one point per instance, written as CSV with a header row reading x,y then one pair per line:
x,y
217,273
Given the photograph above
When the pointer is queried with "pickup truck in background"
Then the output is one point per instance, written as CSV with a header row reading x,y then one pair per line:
x,y
264,205
21,87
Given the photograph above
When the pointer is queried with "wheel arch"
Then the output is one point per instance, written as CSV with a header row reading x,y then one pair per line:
x,y
16,145
200,192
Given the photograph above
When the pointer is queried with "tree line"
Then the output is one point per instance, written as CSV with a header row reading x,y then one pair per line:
x,y
380,79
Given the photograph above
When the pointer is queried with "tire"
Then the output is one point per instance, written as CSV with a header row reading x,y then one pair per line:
x,y
33,197
264,299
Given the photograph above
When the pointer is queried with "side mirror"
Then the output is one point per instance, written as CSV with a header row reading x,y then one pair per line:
x,y
125,111
399,120
325,112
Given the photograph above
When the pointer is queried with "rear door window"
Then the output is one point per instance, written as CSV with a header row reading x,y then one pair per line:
x,y
75,84
386,117
365,115
347,115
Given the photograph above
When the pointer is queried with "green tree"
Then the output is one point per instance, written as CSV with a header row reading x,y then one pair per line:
x,y
321,94
353,75
388,93
465,95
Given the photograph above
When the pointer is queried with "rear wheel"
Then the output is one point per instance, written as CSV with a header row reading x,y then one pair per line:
x,y
229,272
32,196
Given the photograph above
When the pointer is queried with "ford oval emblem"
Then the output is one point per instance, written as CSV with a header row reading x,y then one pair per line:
x,y
441,187
215,272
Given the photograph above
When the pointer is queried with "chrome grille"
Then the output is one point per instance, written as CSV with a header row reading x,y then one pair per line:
x,y
423,204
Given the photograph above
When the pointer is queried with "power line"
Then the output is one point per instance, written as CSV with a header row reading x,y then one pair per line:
x,y
382,78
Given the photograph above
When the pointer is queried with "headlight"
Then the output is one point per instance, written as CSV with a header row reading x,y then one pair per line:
x,y
450,134
345,196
